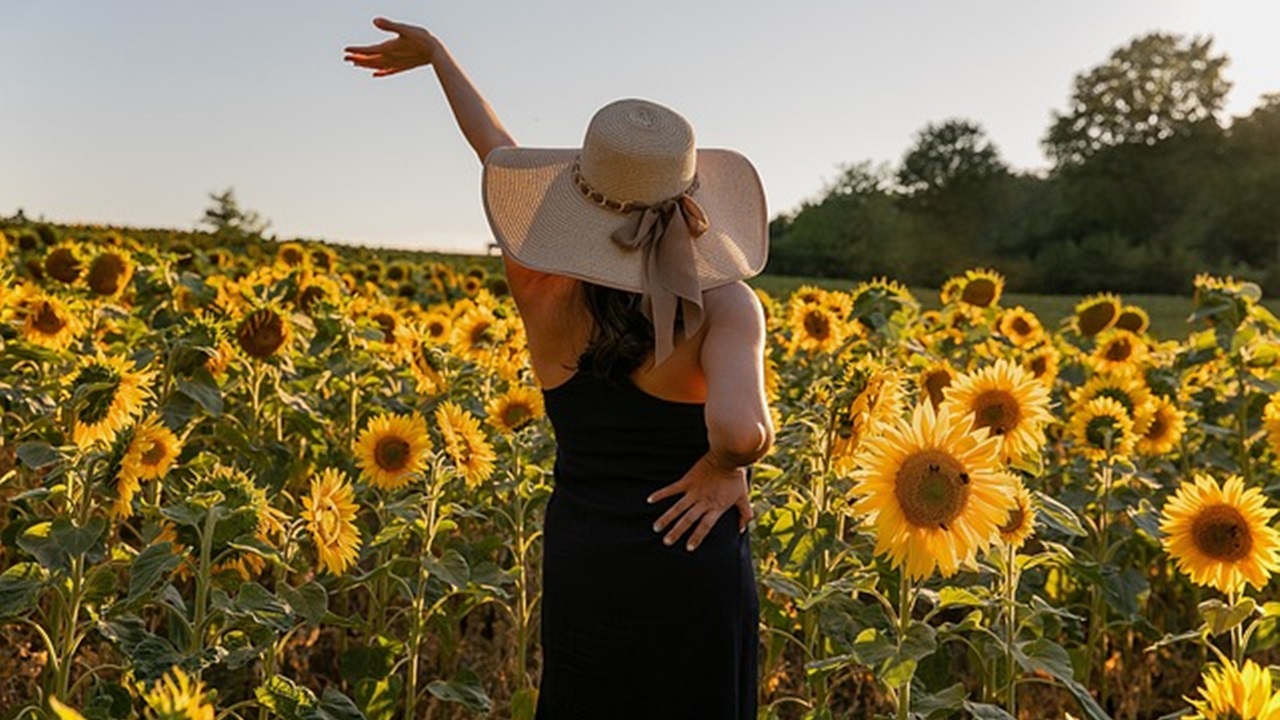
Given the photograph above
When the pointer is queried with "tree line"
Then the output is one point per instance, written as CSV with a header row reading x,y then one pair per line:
x,y
1149,186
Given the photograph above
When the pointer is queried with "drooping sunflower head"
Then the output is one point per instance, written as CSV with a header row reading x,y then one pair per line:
x,y
1129,390
1212,291
882,298
1102,429
476,333
879,403
934,491
1021,327
1134,319
392,449
515,409
263,332
1096,313
291,255
109,273
1022,517
1219,535
330,513
151,452
1043,364
1006,400
1236,693
63,264
1119,352
1165,430
389,321
178,696
934,380
465,443
315,291
108,392
48,322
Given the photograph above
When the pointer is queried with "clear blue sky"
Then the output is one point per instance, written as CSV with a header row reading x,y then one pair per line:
x,y
130,112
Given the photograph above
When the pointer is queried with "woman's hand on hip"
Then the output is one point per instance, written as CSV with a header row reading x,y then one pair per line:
x,y
707,492
411,47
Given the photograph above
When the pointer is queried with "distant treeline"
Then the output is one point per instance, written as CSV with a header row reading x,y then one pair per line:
x,y
1149,187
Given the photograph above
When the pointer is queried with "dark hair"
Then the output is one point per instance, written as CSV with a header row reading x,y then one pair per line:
x,y
621,336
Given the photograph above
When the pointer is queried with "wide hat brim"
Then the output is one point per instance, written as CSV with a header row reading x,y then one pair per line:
x,y
541,219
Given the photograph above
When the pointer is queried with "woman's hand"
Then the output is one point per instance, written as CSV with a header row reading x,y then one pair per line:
x,y
709,490
411,47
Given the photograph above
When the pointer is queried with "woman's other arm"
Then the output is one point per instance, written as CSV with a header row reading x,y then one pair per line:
x,y
414,47
739,427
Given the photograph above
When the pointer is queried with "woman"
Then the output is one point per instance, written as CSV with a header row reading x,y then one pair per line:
x,y
625,259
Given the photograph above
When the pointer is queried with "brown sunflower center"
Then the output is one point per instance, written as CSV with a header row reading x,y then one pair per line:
x,y
934,383
996,409
387,322
481,334
1120,396
817,325
291,256
932,488
516,415
154,454
391,453
1118,350
47,321
62,265
1020,326
1039,365
435,329
1017,516
261,334
1096,318
310,295
979,292
1222,533
106,274
1159,426
1131,321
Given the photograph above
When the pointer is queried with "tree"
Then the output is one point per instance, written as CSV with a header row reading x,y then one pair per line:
x,y
226,217
1157,87
948,154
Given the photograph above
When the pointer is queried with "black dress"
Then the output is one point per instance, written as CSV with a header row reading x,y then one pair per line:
x,y
631,627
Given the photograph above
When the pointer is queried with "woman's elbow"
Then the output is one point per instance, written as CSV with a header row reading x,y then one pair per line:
x,y
742,442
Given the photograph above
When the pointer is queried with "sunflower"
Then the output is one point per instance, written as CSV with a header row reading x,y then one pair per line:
x,y
1102,428
330,512
1021,326
1232,693
314,290
1096,313
49,323
109,273
1134,319
1043,364
1119,352
426,363
476,333
323,259
515,409
878,404
1165,430
935,379
1129,390
815,327
436,326
934,491
1005,399
151,452
291,254
392,448
980,288
1022,517
178,696
63,264
1219,535
465,444
1271,421
109,393
262,333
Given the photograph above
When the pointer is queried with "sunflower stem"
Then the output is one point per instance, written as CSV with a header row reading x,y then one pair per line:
x,y
905,601
1237,646
1011,627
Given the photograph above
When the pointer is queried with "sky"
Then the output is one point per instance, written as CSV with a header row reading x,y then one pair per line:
x,y
132,112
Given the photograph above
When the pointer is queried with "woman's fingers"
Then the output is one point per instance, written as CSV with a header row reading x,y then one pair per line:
x,y
389,71
366,60
672,489
704,527
672,513
366,49
682,525
390,26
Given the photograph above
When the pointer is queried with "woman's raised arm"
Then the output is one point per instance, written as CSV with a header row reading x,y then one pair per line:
x,y
413,47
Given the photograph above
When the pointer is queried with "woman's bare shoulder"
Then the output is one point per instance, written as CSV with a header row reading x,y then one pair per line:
x,y
734,303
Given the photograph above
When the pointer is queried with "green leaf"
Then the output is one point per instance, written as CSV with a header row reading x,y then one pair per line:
x,y
963,597
871,647
464,689
1221,617
985,711
379,698
945,701
20,588
451,567
523,703
336,706
203,389
36,455
263,607
1058,516
149,568
287,699
310,602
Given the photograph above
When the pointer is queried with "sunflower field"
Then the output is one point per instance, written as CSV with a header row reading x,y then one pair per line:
x,y
304,481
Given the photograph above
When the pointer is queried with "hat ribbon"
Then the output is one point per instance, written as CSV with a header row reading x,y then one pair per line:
x,y
670,269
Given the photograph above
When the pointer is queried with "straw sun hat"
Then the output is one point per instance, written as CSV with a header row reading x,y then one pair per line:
x,y
637,208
